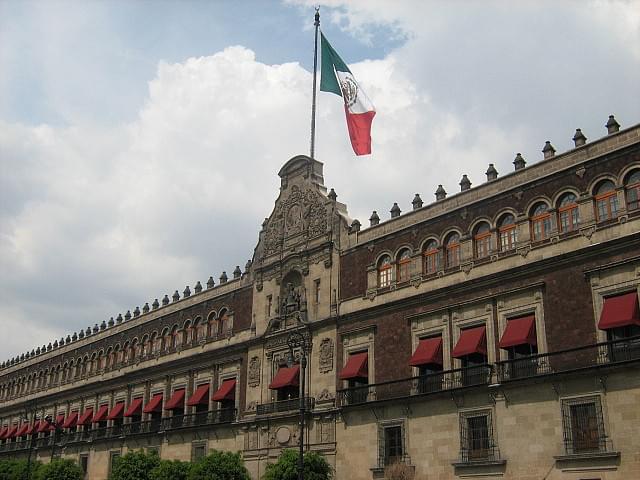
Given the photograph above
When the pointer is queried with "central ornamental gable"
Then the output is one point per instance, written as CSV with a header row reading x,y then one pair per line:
x,y
304,216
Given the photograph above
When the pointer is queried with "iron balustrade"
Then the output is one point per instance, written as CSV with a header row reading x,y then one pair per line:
x,y
589,356
421,385
281,406
481,454
139,428
212,417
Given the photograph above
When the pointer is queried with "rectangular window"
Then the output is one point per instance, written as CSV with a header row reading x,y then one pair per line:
x,y
633,197
483,245
453,255
84,465
316,291
541,227
583,425
113,458
431,262
393,448
198,451
476,437
569,218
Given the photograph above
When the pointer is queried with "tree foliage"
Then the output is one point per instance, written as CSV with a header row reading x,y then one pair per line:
x,y
136,465
170,470
315,466
219,466
59,469
12,469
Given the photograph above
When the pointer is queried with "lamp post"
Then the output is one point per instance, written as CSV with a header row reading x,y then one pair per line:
x,y
33,410
298,340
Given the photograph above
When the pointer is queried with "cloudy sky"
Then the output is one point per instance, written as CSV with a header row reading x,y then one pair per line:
x,y
140,140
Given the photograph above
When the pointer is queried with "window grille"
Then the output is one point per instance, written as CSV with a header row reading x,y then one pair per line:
x,y
391,443
477,442
583,426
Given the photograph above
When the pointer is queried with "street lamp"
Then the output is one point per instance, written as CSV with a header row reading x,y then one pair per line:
x,y
57,427
298,340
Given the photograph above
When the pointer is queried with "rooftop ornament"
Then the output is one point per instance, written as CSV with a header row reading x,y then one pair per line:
x,y
237,273
119,318
416,202
491,173
198,287
223,277
211,283
332,195
612,125
187,292
127,316
145,307
176,296
165,300
579,139
441,194
355,225
465,183
374,219
519,162
548,150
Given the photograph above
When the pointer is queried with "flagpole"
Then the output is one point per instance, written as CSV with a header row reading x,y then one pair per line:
x,y
315,71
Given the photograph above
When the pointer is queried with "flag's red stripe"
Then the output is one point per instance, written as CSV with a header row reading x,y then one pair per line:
x,y
359,125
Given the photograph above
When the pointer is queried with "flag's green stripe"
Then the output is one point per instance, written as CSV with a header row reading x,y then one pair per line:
x,y
330,61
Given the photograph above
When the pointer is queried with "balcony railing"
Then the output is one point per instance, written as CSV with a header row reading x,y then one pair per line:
x,y
599,354
284,406
422,385
139,428
479,454
213,417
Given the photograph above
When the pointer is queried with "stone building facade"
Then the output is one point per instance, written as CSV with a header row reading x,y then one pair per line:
x,y
494,333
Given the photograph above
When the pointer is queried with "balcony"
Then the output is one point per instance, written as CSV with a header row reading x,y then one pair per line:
x,y
213,417
600,354
422,385
284,406
479,454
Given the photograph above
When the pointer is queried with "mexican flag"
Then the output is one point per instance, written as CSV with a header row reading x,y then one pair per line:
x,y
337,78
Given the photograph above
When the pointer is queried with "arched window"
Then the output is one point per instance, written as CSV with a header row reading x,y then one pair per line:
x,y
146,346
186,333
430,253
126,352
632,187
223,322
482,240
508,232
404,266
385,271
606,201
201,329
568,217
452,251
134,351
174,336
540,222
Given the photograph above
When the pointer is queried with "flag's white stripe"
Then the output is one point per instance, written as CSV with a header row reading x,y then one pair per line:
x,y
362,103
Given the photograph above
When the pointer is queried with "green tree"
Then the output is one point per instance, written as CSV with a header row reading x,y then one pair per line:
x,y
315,465
219,466
135,465
59,469
170,470
16,469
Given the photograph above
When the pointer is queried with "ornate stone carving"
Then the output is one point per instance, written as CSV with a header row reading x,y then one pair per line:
x,y
254,372
580,172
283,435
251,407
326,355
302,212
588,231
325,396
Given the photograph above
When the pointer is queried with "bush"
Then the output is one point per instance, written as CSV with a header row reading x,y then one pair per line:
x,y
16,469
59,469
170,470
135,466
315,466
219,466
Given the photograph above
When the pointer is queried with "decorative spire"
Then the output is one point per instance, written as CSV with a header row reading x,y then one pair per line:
x,y
374,219
176,296
119,318
211,283
155,305
237,273
136,312
223,277
111,322
355,225
145,307
548,150
332,195
127,316
416,202
579,139
491,173
612,125
198,287
441,194
165,300
465,183
519,162
187,292
395,210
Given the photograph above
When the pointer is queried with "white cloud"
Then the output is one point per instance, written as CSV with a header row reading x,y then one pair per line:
x,y
95,220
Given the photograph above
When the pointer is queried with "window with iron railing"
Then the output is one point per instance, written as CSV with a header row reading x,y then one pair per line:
x,y
583,426
477,442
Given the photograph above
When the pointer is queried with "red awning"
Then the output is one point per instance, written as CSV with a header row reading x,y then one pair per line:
x,y
86,417
101,414
135,408
357,366
72,421
22,430
227,391
519,331
176,400
429,351
12,432
3,432
43,426
33,428
200,396
286,377
154,405
620,311
59,420
116,411
472,340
